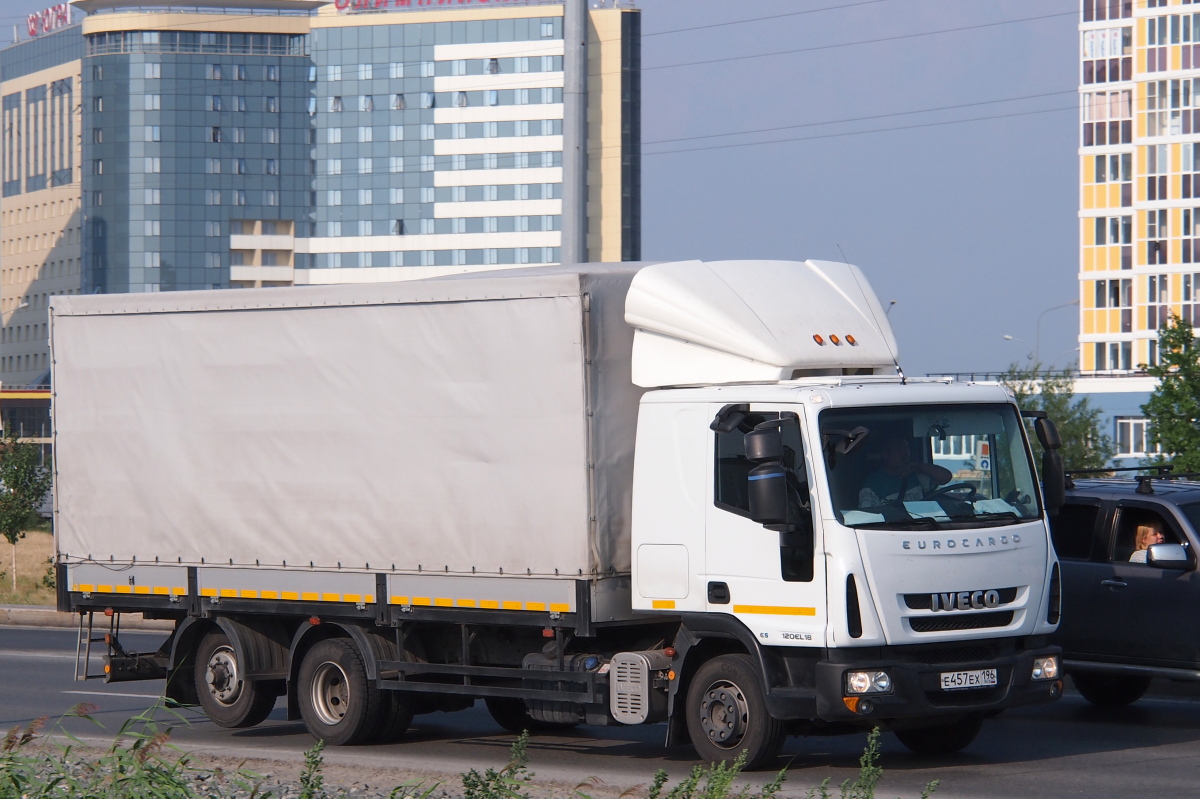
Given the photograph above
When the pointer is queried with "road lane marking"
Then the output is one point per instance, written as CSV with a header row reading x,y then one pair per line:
x,y
36,653
111,693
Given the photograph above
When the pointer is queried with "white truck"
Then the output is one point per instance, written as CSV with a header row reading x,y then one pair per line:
x,y
693,493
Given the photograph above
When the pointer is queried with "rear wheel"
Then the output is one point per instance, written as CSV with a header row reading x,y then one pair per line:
x,y
338,703
1110,690
944,739
513,715
225,695
727,713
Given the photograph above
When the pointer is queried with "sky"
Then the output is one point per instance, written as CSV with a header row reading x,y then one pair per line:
x,y
969,226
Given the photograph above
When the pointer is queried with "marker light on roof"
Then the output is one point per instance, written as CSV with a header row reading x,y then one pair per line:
x,y
851,340
833,337
817,338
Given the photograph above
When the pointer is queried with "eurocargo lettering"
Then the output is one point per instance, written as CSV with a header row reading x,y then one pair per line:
x,y
698,494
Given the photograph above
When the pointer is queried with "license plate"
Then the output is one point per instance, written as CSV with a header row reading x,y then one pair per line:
x,y
958,680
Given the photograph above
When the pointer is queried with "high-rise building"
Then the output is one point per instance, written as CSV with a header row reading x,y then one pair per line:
x,y
245,143
40,215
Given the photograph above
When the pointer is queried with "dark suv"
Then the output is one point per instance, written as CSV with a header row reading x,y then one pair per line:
x,y
1124,622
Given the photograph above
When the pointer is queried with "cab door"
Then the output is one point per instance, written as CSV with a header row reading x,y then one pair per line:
x,y
774,581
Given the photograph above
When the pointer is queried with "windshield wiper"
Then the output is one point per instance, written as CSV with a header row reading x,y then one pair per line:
x,y
895,524
1005,516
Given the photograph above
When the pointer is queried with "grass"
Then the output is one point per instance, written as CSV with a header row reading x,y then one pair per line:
x,y
142,762
34,552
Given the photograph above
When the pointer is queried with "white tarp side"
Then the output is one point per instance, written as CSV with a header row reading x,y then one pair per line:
x,y
433,434
614,403
733,321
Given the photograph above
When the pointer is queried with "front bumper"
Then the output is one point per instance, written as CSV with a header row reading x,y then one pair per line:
x,y
916,692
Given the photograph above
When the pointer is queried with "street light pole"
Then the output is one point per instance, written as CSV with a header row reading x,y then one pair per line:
x,y
1037,341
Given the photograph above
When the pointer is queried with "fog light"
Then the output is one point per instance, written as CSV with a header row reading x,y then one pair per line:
x,y
868,682
1045,668
865,707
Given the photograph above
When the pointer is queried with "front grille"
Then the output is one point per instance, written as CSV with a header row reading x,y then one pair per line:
x,y
925,601
965,621
957,654
968,696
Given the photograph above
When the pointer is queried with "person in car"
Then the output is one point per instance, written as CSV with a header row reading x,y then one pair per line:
x,y
901,478
1148,534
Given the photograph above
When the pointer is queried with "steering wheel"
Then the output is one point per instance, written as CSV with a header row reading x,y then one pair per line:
x,y
968,491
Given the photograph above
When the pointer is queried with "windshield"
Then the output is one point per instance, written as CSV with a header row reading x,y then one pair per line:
x,y
928,466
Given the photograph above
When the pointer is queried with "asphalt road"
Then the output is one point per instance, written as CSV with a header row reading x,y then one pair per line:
x,y
1067,749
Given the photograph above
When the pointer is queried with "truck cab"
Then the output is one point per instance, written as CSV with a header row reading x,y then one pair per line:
x,y
876,546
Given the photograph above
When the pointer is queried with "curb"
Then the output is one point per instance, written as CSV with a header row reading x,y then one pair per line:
x,y
45,616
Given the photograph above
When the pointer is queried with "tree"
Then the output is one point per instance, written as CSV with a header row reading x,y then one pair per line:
x,y
1173,410
24,482
1084,444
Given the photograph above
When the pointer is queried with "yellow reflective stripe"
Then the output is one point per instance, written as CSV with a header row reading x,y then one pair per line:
x,y
466,603
511,605
399,600
141,589
535,605
124,589
208,592
161,590
352,597
290,595
422,600
84,588
663,604
331,597
229,592
443,602
249,594
310,596
489,604
270,595
774,610
560,607
104,589
179,591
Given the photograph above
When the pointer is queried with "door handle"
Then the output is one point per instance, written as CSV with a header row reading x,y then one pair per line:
x,y
1114,583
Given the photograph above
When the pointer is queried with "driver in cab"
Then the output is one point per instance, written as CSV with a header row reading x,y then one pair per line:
x,y
900,478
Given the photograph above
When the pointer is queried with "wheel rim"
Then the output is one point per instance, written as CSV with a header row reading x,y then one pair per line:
x,y
724,714
222,676
330,693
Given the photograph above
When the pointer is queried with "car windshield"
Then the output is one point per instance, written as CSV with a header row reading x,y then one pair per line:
x,y
928,466
1192,511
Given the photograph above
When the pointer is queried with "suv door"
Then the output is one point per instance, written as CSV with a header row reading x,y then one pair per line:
x,y
1155,617
1080,538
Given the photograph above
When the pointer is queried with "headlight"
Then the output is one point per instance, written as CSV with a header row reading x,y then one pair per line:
x,y
1045,668
868,682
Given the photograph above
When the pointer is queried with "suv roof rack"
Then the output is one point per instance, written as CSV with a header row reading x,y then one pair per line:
x,y
1144,481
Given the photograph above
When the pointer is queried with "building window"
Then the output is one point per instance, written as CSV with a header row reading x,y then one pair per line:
x,y
428,194
398,102
397,196
153,197
97,166
213,166
334,135
270,167
97,135
491,224
272,73
270,197
458,130
333,72
271,135
460,99
97,104
335,104
239,72
214,135
1158,299
366,103
428,132
153,102
212,197
154,164
239,166
1156,237
1108,55
366,133
396,133
427,163
1132,437
427,226
396,163
365,166
427,69
547,30
271,105
214,103
1100,10
492,97
521,96
153,133
458,161
97,198
366,71
239,135
493,66
212,229
335,197
239,197
153,227
365,228
214,71
1117,294
366,197
427,100
333,166
397,227
396,70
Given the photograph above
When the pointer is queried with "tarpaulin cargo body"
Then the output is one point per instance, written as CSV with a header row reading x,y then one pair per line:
x,y
480,425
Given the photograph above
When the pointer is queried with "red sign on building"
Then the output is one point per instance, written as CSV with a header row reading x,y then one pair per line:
x,y
49,19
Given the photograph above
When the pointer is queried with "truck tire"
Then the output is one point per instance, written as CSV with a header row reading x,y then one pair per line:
x,y
339,705
513,715
397,718
727,713
945,739
225,697
1110,690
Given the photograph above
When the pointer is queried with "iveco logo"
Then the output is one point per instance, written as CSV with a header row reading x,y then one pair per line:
x,y
966,600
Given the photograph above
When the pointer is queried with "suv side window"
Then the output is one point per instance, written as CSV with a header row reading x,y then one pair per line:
x,y
1074,531
1129,520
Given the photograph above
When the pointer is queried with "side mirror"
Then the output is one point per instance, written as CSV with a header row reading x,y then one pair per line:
x,y
1047,433
1054,481
1168,556
768,481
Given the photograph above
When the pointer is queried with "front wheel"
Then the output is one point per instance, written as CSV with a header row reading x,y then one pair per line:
x,y
1110,690
225,696
727,713
944,739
